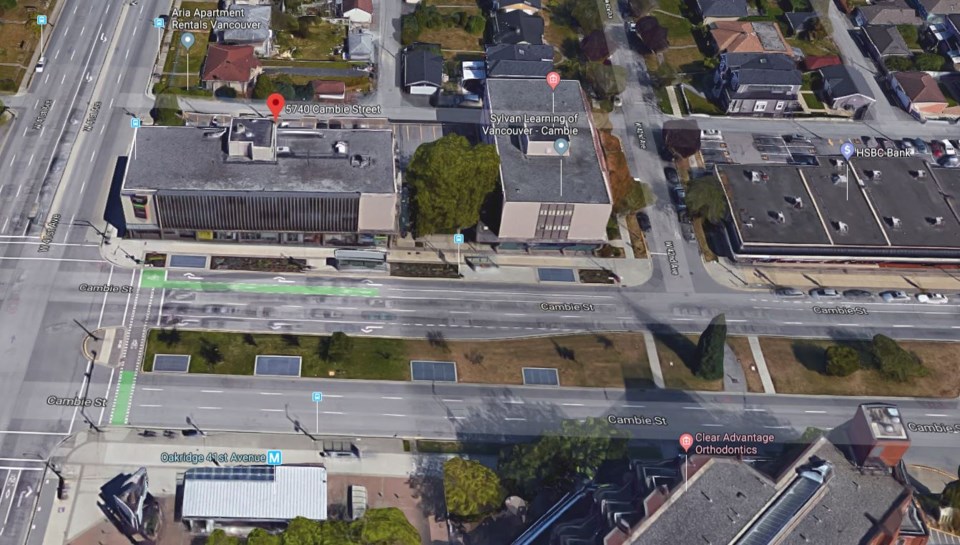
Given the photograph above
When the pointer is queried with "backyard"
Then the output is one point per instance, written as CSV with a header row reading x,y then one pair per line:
x,y
314,40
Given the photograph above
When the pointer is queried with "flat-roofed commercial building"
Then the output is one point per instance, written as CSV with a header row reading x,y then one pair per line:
x,y
250,496
549,201
873,210
252,181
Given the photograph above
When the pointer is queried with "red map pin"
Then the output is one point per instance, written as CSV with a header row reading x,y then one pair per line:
x,y
275,102
686,441
553,79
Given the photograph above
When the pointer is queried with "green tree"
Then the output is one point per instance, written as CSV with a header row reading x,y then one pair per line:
x,y
387,526
898,64
166,110
706,199
7,4
210,352
894,362
263,88
409,29
301,531
450,180
476,24
605,80
910,34
816,30
559,459
471,489
664,75
929,62
587,15
219,537
336,347
710,349
169,337
842,361
259,536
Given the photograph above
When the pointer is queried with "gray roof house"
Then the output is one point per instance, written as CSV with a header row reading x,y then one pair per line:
x,y
254,28
519,61
716,10
885,41
422,70
845,88
925,8
798,21
360,46
887,12
517,27
757,84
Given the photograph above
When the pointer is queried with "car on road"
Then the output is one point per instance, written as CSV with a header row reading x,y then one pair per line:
x,y
319,313
384,316
824,293
644,221
280,326
857,294
686,230
933,298
788,292
40,64
671,174
894,296
219,309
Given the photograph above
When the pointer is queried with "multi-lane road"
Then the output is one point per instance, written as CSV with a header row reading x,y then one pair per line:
x,y
73,122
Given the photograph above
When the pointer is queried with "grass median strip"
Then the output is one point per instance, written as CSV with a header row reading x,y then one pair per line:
x,y
608,360
158,279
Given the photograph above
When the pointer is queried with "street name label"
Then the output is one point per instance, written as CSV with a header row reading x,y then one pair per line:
x,y
92,116
42,114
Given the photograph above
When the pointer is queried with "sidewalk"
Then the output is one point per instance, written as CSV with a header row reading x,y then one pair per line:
x,y
512,268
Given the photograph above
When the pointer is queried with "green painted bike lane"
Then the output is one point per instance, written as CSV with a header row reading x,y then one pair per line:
x,y
121,407
158,279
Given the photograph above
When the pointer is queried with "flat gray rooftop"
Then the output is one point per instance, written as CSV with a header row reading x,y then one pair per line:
x,y
758,203
537,178
704,513
915,201
843,202
190,159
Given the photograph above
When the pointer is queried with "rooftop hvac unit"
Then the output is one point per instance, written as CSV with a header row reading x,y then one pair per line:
x,y
895,221
284,150
938,220
340,147
781,218
797,202
918,174
758,176
839,179
843,227
876,175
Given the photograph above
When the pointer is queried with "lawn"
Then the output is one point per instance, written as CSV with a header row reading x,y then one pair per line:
x,y
699,229
700,105
19,36
179,62
685,59
452,39
612,360
812,101
677,356
741,348
796,366
679,29
822,47
663,99
316,44
557,28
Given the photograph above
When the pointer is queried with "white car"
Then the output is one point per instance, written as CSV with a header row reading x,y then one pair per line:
x,y
824,292
40,63
895,296
932,298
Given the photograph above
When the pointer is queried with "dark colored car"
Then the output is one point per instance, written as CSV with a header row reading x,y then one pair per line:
x,y
921,146
857,294
644,220
671,174
686,230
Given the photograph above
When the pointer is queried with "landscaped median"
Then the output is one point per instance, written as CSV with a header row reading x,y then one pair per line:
x,y
601,360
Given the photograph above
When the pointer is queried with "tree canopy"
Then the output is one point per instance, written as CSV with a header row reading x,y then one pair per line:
x,y
386,526
706,199
842,361
895,363
166,110
710,349
560,459
451,179
471,490
950,497
929,62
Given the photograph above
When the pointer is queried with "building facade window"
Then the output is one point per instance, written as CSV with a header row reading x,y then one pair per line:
x,y
139,203
554,221
760,106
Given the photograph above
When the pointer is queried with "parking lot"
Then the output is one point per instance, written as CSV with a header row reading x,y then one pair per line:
x,y
411,135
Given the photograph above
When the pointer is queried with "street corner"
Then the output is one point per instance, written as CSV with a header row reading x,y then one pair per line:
x,y
102,346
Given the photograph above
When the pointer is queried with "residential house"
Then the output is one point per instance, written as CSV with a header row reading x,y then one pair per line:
x,y
359,46
886,12
800,22
885,41
517,27
816,62
845,88
594,47
233,66
328,90
652,34
250,26
928,8
748,37
549,202
530,7
719,10
758,84
948,38
422,70
918,94
519,61
359,12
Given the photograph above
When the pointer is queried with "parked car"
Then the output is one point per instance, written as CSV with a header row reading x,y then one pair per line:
x,y
894,296
867,142
951,161
686,230
824,292
788,292
921,146
672,177
40,64
857,294
644,220
683,217
933,298
907,146
883,143
679,194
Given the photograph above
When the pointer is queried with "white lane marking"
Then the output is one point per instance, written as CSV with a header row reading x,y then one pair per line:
x,y
752,410
572,404
394,414
331,412
936,414
452,400
712,425
211,391
332,395
272,410
777,427
635,406
210,408
12,159
271,394
902,325
793,323
82,30
145,405
815,412
514,419
13,432
514,314
390,397
30,162
695,408
735,321
513,401
152,389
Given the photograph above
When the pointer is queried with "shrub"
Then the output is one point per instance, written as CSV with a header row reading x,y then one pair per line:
x,y
842,361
